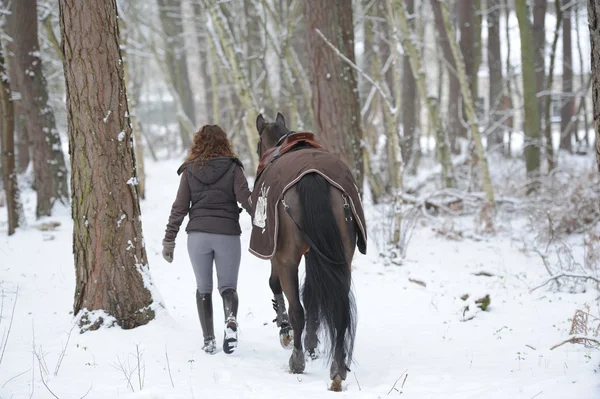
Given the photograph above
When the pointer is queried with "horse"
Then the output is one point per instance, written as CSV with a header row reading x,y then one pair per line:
x,y
313,221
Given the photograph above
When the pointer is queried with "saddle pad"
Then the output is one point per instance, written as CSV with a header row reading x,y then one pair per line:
x,y
281,175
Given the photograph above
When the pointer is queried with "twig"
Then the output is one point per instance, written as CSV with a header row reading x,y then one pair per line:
x,y
357,68
169,367
394,387
533,397
12,316
575,276
16,376
44,381
139,367
575,339
358,383
64,350
529,346
88,391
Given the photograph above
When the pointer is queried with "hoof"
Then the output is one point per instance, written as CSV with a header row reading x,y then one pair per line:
x,y
313,354
297,362
336,384
286,336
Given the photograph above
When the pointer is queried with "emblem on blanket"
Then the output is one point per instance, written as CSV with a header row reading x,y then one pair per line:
x,y
260,213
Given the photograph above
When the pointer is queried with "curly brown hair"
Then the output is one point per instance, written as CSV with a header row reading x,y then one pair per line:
x,y
210,142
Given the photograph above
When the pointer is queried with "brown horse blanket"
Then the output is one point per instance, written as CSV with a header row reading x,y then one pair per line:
x,y
282,174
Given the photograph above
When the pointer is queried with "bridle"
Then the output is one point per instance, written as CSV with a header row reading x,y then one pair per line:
x,y
279,142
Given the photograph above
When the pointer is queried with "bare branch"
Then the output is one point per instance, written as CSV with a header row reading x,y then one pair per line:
x,y
393,110
566,275
577,339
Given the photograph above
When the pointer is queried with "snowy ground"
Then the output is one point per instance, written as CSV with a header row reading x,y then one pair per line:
x,y
403,328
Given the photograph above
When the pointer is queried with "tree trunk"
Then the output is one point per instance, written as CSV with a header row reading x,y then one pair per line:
x,y
7,149
454,124
176,59
549,83
594,24
496,81
568,109
470,39
532,120
334,95
539,44
583,99
202,36
409,98
469,106
49,163
405,37
110,259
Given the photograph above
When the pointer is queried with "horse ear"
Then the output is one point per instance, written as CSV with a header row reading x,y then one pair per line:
x,y
280,119
260,123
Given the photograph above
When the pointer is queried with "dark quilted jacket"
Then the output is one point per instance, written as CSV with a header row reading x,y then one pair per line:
x,y
209,193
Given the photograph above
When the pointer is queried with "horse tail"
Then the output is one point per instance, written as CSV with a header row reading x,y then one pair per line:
x,y
327,293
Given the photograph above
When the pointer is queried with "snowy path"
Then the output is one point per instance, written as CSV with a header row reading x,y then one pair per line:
x,y
402,327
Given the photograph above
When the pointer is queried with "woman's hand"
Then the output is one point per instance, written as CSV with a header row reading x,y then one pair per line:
x,y
168,250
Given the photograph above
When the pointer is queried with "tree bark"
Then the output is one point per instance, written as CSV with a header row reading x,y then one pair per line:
x,y
532,120
454,124
176,59
334,96
49,164
539,44
7,149
568,109
496,81
594,25
110,259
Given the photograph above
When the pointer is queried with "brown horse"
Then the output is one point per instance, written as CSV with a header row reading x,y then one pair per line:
x,y
313,221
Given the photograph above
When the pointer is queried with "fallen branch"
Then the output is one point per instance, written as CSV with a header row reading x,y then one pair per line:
x,y
394,387
565,275
576,339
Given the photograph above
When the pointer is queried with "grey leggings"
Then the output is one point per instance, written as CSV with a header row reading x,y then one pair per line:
x,y
224,250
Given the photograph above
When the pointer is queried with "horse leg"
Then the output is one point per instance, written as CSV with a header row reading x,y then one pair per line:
x,y
311,341
285,330
289,282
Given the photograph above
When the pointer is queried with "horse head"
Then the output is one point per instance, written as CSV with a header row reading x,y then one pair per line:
x,y
270,134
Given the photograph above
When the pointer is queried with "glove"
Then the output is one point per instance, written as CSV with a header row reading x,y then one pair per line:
x,y
168,249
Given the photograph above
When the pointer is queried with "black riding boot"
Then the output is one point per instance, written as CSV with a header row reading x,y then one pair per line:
x,y
205,313
230,308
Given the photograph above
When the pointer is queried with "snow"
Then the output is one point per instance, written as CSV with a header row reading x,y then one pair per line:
x,y
404,329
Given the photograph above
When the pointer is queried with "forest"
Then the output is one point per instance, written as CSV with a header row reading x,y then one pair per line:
x,y
472,131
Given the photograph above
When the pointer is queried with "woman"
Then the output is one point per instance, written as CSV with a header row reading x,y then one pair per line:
x,y
212,183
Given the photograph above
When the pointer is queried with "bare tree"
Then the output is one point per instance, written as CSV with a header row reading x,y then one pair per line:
x,y
549,82
532,120
50,171
7,149
403,35
454,123
409,98
539,44
176,60
496,82
110,259
594,25
568,109
469,106
334,95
